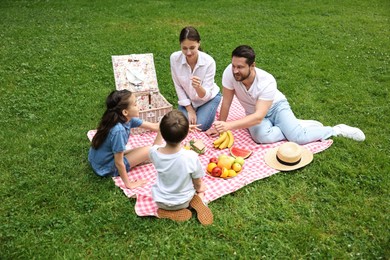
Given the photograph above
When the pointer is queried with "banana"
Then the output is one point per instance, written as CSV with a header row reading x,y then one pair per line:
x,y
224,143
231,138
221,138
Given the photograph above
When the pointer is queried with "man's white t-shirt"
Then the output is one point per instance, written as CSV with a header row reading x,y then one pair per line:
x,y
263,88
174,175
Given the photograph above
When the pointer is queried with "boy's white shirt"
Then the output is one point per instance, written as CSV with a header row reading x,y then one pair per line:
x,y
175,172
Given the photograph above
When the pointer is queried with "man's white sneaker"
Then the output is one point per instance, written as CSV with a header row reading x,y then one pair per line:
x,y
310,123
349,132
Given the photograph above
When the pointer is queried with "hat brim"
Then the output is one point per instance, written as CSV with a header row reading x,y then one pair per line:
x,y
271,161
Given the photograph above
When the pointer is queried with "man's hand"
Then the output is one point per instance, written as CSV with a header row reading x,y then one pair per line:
x,y
221,126
212,132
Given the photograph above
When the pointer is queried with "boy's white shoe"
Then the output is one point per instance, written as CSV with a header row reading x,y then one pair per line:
x,y
310,123
349,132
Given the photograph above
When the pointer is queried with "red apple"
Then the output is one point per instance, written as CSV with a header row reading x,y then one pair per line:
x,y
216,172
214,160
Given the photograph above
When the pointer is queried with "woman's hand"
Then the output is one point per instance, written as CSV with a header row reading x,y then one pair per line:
x,y
192,117
196,82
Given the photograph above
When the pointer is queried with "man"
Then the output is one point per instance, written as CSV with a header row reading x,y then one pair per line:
x,y
269,117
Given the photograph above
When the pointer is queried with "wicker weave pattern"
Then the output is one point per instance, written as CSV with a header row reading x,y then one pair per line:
x,y
136,72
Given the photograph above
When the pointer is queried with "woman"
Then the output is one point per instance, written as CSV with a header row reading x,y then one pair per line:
x,y
193,73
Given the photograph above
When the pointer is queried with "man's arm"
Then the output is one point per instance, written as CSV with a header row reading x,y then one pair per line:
x,y
227,100
261,111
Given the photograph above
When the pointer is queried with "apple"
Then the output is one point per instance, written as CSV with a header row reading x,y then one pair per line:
x,y
216,172
239,160
214,160
237,167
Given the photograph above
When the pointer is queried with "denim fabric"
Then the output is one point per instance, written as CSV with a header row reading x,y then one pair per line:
x,y
102,159
205,114
280,124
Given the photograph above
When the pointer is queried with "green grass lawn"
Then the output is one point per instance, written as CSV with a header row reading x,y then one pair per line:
x,y
330,58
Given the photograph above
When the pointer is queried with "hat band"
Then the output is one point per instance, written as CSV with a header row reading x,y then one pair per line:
x,y
287,163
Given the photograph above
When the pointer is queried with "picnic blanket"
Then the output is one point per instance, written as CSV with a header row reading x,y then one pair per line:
x,y
254,168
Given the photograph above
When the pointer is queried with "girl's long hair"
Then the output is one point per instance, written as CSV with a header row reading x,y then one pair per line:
x,y
115,103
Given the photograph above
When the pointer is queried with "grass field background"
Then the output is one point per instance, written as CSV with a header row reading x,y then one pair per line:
x,y
330,58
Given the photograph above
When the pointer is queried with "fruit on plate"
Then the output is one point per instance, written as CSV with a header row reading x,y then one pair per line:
x,y
236,167
225,166
240,160
240,152
225,140
216,172
225,162
214,160
232,173
220,157
225,173
211,166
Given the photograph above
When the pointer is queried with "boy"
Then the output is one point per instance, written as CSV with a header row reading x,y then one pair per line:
x,y
179,173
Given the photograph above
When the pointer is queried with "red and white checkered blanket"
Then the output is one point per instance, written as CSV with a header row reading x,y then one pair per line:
x,y
254,168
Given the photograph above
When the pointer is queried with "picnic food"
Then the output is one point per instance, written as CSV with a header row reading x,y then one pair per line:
x,y
197,146
211,166
225,173
225,140
236,167
240,152
214,160
225,162
239,160
216,172
226,167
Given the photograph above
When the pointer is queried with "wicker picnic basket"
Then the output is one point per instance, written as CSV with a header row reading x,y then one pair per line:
x,y
136,73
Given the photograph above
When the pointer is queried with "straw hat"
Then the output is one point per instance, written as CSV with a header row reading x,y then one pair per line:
x,y
288,156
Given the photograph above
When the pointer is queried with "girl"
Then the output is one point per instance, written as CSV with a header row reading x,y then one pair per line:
x,y
193,73
108,155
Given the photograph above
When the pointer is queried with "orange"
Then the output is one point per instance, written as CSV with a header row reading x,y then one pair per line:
x,y
211,166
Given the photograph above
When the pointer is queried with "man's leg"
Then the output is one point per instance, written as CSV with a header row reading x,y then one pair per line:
x,y
291,128
266,132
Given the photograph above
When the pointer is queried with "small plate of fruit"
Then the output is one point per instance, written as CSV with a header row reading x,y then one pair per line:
x,y
225,166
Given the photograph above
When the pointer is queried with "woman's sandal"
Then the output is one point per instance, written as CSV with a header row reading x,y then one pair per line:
x,y
176,215
204,214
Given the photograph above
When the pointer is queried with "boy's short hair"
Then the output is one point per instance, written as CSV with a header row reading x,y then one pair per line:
x,y
174,127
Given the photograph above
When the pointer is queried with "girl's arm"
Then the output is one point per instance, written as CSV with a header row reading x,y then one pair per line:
x,y
150,126
118,157
159,139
